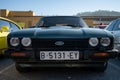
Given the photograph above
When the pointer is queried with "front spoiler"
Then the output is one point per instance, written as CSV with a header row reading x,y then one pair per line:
x,y
71,64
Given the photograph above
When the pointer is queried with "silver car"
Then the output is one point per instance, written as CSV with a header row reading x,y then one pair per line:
x,y
114,28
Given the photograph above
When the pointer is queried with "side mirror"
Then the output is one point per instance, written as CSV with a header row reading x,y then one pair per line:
x,y
4,28
119,26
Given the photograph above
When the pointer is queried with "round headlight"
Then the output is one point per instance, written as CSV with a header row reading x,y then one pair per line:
x,y
26,42
93,42
105,41
14,41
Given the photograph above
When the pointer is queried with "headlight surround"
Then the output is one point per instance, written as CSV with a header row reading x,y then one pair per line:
x,y
26,42
93,41
14,41
105,41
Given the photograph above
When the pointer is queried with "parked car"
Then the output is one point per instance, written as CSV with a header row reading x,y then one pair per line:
x,y
114,28
101,26
60,41
6,26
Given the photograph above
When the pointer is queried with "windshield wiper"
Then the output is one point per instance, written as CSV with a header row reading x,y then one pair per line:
x,y
43,26
74,26
71,25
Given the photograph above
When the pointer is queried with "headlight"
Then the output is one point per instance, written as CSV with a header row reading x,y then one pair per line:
x,y
26,42
105,41
93,42
14,41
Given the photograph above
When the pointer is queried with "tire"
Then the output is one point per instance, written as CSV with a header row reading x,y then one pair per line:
x,y
103,67
2,54
22,69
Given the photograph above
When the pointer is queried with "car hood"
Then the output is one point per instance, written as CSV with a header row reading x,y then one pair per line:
x,y
61,33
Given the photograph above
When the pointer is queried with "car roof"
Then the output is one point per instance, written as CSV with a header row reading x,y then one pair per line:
x,y
10,21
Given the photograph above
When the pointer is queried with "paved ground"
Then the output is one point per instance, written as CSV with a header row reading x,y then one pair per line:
x,y
5,63
9,73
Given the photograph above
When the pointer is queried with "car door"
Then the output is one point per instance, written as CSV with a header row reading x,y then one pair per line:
x,y
114,28
3,34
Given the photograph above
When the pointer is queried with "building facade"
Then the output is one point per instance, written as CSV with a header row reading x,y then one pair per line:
x,y
23,18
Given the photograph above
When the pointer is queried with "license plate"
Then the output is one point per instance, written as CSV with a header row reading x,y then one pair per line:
x,y
59,55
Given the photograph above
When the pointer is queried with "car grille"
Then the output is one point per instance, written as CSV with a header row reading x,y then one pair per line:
x,y
68,43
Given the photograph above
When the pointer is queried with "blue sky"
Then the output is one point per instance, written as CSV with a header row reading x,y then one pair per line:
x,y
60,7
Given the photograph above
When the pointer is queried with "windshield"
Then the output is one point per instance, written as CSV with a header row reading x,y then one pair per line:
x,y
110,26
61,21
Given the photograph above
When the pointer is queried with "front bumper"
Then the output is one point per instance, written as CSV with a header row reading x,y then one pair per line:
x,y
87,59
84,55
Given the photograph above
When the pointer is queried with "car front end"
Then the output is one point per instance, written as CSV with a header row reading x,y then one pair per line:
x,y
61,47
54,50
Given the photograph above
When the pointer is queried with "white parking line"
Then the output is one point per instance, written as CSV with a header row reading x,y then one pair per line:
x,y
6,68
115,66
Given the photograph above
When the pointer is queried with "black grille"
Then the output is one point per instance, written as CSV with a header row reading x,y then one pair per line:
x,y
68,43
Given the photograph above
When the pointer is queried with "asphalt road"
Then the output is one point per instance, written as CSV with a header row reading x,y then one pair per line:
x,y
8,72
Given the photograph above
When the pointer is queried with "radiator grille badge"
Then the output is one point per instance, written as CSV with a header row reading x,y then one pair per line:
x,y
59,43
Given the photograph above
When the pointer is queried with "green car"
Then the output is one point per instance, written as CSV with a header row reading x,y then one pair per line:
x,y
6,26
60,41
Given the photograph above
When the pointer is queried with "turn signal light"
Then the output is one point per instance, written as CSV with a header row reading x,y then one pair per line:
x,y
18,54
102,54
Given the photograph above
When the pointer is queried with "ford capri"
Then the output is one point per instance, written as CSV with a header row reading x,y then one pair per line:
x,y
60,41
